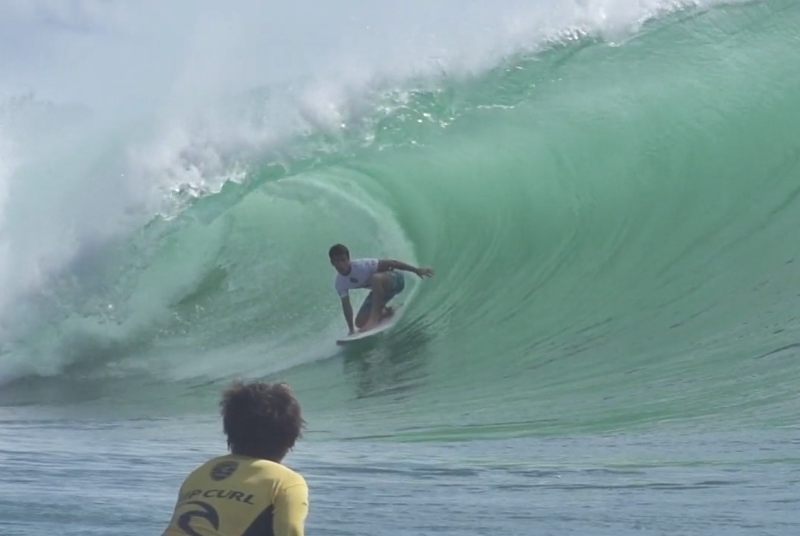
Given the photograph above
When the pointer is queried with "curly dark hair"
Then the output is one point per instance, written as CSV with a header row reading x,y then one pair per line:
x,y
261,420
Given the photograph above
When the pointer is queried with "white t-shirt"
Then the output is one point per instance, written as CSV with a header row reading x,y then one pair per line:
x,y
361,271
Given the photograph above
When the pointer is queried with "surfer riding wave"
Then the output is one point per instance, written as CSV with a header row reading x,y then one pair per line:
x,y
382,276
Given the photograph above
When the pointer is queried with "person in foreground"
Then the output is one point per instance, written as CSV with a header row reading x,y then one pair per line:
x,y
248,492
381,276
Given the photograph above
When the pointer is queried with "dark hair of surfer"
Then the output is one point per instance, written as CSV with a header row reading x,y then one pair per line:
x,y
261,420
338,250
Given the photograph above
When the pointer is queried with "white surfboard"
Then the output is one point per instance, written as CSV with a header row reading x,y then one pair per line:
x,y
382,326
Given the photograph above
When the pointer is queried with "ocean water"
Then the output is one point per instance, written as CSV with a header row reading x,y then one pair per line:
x,y
609,192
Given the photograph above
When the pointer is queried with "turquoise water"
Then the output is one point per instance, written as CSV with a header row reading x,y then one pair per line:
x,y
608,345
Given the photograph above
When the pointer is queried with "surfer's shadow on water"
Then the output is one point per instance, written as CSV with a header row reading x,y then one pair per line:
x,y
388,364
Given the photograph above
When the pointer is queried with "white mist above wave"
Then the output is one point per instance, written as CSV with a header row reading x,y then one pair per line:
x,y
7,165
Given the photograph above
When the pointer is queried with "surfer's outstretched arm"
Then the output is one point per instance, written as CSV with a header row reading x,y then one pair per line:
x,y
391,264
347,309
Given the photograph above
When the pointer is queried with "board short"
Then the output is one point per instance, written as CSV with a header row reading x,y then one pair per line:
x,y
398,284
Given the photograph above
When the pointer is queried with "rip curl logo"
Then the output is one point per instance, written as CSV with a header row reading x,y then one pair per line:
x,y
223,470
354,280
205,511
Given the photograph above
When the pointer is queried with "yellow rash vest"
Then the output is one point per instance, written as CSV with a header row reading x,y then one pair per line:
x,y
240,496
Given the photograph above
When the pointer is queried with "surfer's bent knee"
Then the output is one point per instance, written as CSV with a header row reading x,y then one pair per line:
x,y
381,283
